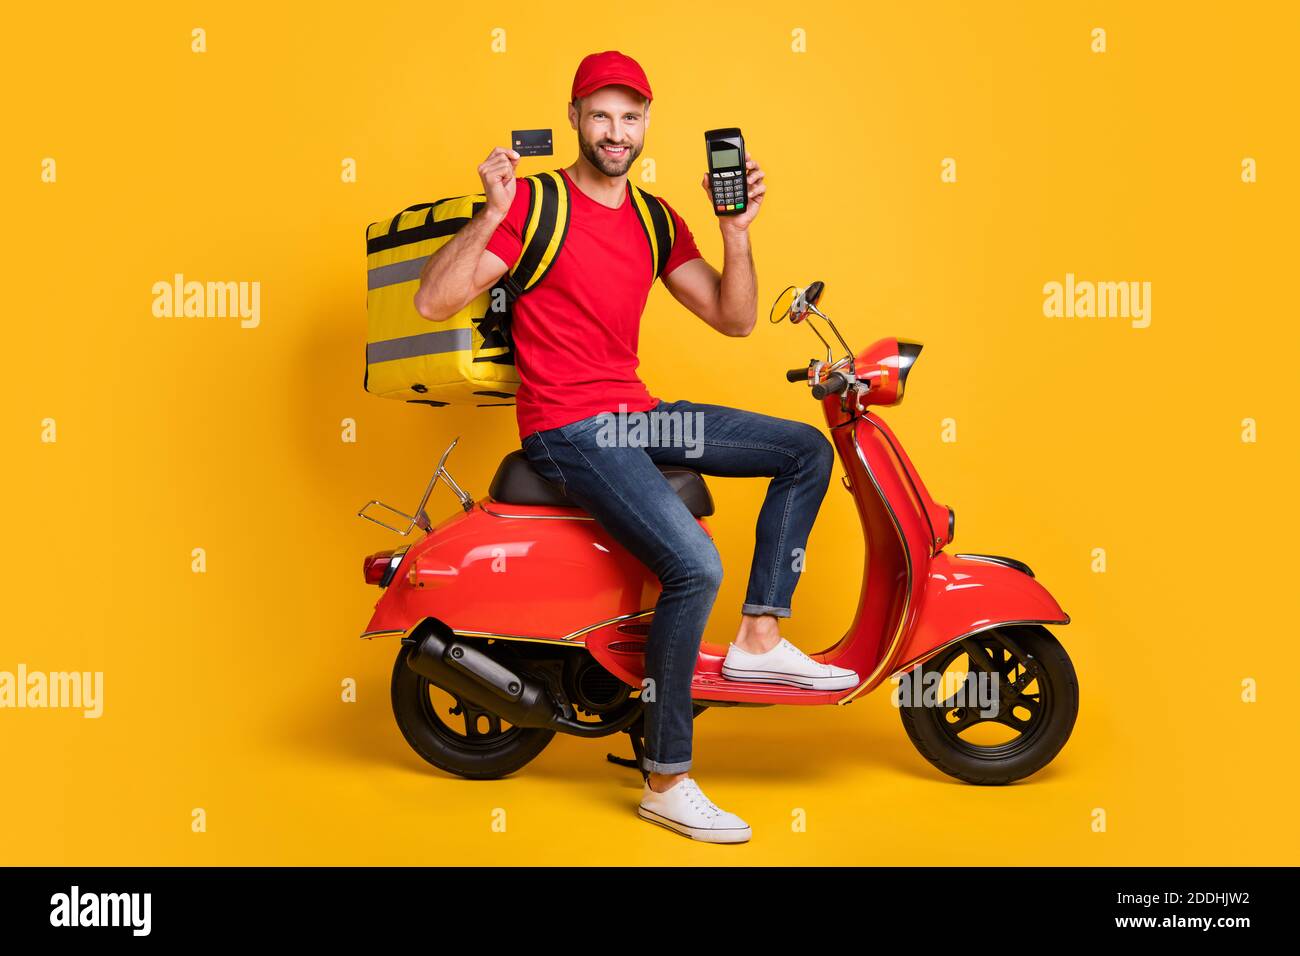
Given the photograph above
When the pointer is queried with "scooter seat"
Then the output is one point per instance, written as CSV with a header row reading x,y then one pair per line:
x,y
518,483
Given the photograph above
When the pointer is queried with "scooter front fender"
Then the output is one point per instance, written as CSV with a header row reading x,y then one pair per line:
x,y
965,595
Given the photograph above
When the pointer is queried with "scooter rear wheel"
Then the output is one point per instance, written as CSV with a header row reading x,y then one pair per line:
x,y
454,735
1038,696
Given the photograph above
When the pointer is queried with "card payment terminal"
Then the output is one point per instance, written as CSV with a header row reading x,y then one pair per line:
x,y
727,179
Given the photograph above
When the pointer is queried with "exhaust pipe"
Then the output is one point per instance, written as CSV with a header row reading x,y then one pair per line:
x,y
462,669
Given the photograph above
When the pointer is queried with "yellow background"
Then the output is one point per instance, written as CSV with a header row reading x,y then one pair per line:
x,y
222,690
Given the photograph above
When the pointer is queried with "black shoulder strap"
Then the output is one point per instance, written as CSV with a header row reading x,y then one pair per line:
x,y
657,221
544,230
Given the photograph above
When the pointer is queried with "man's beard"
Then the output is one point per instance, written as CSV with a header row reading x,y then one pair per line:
x,y
611,167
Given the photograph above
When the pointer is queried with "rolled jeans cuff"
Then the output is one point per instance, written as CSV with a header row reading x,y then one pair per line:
x,y
654,766
764,609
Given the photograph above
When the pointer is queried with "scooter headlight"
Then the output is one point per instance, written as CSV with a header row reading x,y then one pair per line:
x,y
907,355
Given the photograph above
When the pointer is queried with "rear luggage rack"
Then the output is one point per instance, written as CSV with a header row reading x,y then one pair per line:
x,y
420,518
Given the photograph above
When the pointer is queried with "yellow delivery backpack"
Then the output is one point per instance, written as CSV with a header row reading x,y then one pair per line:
x,y
467,359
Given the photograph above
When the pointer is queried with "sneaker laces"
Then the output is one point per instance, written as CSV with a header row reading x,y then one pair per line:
x,y
826,668
703,804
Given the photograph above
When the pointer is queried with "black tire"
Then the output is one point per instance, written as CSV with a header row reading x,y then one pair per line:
x,y
1041,735
480,756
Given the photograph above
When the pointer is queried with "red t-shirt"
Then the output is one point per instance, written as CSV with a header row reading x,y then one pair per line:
x,y
575,332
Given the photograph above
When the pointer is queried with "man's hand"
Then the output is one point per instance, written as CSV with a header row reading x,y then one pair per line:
x,y
756,188
462,269
497,174
728,301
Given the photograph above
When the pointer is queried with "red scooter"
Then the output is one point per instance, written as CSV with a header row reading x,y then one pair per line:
x,y
519,617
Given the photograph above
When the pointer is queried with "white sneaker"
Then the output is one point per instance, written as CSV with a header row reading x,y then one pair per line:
x,y
786,664
684,808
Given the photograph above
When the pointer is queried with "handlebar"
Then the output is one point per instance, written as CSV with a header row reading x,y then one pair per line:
x,y
835,384
804,304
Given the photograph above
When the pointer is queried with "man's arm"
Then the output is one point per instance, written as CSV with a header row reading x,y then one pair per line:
x,y
463,268
728,301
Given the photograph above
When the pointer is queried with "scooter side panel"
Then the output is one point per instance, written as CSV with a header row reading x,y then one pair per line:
x,y
963,596
935,513
516,571
897,536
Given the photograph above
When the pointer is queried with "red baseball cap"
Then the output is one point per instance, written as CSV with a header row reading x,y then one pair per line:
x,y
607,68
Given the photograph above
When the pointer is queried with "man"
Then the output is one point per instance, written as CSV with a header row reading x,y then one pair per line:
x,y
575,340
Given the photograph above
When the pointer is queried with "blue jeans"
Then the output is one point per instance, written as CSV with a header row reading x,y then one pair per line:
x,y
607,464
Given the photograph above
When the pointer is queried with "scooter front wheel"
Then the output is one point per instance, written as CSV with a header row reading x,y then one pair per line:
x,y
454,735
994,708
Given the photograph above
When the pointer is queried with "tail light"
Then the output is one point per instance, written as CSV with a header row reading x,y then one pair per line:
x,y
380,567
376,566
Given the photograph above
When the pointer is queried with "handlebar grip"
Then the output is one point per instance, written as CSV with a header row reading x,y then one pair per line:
x,y
797,374
834,384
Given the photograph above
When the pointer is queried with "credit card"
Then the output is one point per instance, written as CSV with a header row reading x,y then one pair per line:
x,y
531,142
